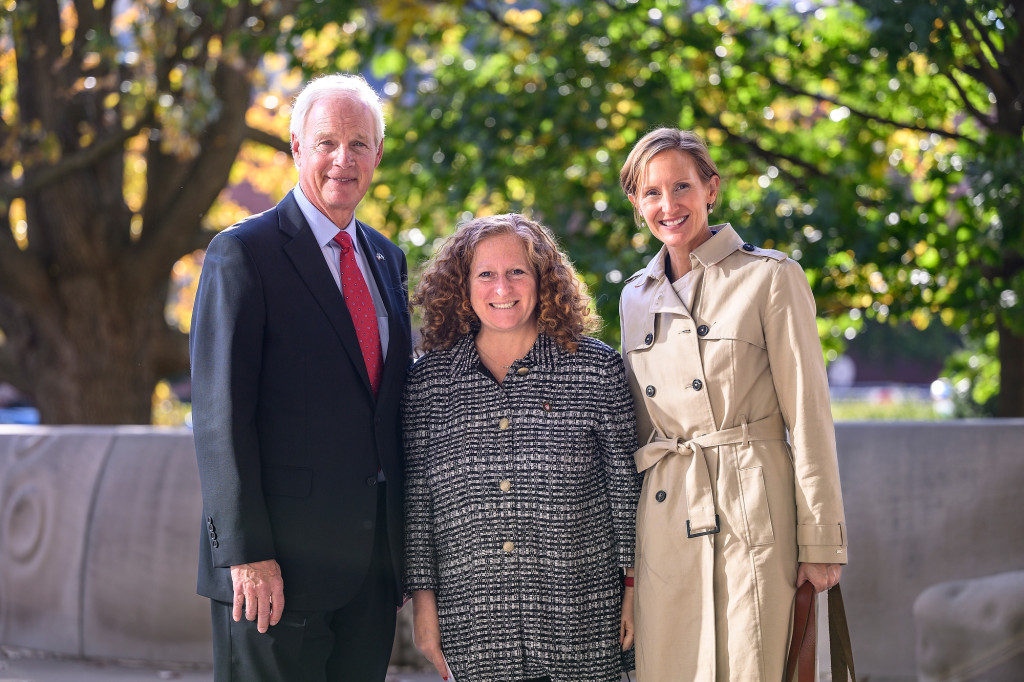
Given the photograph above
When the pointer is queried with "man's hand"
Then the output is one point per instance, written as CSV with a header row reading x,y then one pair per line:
x,y
259,588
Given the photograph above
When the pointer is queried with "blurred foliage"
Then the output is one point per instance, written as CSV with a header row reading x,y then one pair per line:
x,y
878,143
849,411
875,142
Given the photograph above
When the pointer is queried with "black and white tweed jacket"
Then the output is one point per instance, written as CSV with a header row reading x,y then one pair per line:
x,y
520,508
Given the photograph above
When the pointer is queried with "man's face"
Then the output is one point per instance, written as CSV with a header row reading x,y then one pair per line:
x,y
337,155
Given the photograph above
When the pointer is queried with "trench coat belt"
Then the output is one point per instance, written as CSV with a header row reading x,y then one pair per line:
x,y
700,498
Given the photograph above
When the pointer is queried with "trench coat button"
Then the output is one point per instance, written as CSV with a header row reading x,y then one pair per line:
x,y
697,384
703,330
508,546
523,371
660,496
371,480
505,485
649,391
649,339
503,423
748,247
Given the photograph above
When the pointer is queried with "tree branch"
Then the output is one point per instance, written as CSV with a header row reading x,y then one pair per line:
x,y
792,89
268,139
983,118
988,74
43,176
498,19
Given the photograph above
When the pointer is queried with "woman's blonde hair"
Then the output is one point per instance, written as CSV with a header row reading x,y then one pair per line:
x,y
656,142
563,310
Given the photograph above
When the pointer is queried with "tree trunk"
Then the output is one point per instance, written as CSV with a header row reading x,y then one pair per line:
x,y
90,357
1011,374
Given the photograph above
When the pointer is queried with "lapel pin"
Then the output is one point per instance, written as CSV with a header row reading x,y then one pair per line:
x,y
380,256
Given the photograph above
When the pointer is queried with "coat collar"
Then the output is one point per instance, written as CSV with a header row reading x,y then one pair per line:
x,y
723,242
544,354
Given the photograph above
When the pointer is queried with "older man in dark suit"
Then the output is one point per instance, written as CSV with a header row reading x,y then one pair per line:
x,y
300,344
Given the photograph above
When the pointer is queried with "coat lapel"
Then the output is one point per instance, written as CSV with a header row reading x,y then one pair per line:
x,y
305,255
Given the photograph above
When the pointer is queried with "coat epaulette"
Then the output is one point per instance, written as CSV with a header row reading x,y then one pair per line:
x,y
762,252
634,276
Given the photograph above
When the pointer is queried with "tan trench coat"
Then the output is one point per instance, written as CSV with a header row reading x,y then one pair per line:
x,y
720,382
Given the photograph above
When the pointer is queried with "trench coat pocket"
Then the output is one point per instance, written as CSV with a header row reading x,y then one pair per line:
x,y
756,515
287,481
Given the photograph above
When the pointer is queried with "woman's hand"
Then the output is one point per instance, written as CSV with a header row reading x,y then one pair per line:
x,y
822,576
626,624
426,631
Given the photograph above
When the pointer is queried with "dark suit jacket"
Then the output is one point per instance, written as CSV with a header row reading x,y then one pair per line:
x,y
288,434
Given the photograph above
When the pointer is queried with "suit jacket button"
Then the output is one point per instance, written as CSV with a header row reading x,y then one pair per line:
x,y
697,384
371,481
649,391
215,544
660,496
703,330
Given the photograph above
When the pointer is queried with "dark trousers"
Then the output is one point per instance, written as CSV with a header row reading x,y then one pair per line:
x,y
350,643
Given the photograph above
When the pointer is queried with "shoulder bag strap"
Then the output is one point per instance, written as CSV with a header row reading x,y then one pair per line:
x,y
802,643
839,638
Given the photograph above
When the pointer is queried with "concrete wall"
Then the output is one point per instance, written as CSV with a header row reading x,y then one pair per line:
x,y
99,535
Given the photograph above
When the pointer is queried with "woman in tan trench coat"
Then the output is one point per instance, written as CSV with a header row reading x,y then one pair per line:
x,y
741,500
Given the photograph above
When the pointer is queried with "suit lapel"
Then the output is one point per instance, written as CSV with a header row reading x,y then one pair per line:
x,y
305,255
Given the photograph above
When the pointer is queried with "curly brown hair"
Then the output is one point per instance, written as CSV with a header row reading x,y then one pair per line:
x,y
563,306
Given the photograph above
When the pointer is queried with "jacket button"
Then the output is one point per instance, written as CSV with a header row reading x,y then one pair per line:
x,y
503,423
508,546
505,485
748,247
649,391
523,371
660,496
697,384
649,339
702,330
215,544
371,480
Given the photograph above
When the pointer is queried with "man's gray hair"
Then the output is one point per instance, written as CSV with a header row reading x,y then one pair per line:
x,y
354,86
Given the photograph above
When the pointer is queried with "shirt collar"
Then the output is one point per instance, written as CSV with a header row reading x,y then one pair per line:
x,y
543,354
323,229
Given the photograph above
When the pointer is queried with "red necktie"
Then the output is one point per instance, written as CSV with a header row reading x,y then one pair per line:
x,y
360,307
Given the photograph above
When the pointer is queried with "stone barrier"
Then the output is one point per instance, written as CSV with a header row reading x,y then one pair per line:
x,y
99,532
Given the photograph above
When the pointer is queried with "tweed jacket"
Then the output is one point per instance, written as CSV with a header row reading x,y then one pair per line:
x,y
520,508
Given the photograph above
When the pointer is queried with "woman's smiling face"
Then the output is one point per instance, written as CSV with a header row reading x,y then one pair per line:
x,y
503,286
673,200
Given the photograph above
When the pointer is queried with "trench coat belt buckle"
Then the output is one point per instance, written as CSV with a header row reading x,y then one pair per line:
x,y
699,492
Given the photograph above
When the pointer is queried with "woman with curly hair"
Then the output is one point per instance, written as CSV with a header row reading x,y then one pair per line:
x,y
520,484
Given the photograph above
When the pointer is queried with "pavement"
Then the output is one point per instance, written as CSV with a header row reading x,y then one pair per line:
x,y
27,666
